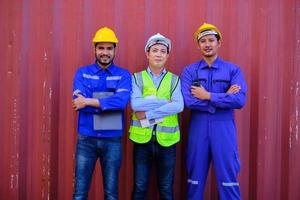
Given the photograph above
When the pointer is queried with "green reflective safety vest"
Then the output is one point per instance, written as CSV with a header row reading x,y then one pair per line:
x,y
167,131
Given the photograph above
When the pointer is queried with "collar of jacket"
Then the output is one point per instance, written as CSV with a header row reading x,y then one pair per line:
x,y
216,64
96,68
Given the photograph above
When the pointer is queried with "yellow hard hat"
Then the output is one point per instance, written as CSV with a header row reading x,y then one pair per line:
x,y
105,35
206,29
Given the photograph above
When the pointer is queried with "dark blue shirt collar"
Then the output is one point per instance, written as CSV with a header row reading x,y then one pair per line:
x,y
96,68
215,65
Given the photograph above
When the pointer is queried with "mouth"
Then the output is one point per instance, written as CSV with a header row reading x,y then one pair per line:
x,y
207,50
105,57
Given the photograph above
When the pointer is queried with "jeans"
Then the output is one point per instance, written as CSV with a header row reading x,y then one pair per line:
x,y
164,159
89,149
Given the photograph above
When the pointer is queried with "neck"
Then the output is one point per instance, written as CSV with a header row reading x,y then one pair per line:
x,y
156,71
210,60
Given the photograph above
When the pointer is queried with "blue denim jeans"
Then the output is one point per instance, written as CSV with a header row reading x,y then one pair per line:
x,y
164,159
89,149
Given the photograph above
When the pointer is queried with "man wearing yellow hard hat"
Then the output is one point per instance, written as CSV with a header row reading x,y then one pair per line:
x,y
100,94
212,89
156,100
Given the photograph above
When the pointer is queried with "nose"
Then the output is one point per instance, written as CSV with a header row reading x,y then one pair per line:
x,y
105,51
159,54
207,43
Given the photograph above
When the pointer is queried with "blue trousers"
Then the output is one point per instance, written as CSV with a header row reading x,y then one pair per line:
x,y
213,140
164,159
89,149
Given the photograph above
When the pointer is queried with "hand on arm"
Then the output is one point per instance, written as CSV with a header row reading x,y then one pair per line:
x,y
139,103
235,96
173,106
82,102
140,115
190,100
200,93
234,89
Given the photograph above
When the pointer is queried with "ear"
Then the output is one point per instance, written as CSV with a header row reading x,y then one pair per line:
x,y
219,43
147,54
167,56
198,45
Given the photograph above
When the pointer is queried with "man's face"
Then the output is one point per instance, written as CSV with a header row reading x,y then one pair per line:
x,y
157,56
208,45
105,53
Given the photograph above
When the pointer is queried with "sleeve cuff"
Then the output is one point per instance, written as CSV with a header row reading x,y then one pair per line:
x,y
214,98
149,115
102,103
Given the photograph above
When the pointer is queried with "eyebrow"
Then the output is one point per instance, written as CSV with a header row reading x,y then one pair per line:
x,y
162,49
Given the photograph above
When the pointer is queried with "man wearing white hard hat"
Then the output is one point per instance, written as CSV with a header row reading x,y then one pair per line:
x,y
156,100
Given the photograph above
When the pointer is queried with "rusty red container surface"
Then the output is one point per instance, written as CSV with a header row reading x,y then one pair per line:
x,y
44,42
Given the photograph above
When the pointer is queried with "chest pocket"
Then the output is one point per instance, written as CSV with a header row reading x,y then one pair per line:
x,y
92,84
221,85
112,82
200,81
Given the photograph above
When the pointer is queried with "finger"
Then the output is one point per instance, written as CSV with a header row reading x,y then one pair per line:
x,y
234,91
78,95
235,87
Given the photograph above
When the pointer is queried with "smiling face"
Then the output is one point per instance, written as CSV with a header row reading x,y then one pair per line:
x,y
208,46
157,56
105,53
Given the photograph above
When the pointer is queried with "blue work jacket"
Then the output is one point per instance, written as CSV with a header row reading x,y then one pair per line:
x,y
216,79
112,88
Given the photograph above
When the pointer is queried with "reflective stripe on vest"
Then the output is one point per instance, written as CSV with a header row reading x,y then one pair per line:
x,y
158,128
167,132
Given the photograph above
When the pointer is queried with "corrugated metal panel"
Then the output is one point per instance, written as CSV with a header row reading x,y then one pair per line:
x,y
43,42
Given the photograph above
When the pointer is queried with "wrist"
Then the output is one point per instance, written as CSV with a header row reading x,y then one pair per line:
x,y
87,101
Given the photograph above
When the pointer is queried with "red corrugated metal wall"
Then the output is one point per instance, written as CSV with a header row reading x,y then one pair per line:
x,y
43,42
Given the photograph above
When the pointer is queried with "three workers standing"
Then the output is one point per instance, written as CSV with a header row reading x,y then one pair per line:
x,y
211,88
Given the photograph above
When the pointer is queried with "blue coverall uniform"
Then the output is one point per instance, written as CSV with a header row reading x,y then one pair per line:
x,y
212,132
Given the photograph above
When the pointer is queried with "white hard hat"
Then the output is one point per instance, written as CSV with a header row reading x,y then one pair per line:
x,y
158,39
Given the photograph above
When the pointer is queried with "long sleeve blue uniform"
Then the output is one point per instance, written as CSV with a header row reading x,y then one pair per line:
x,y
113,87
212,133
